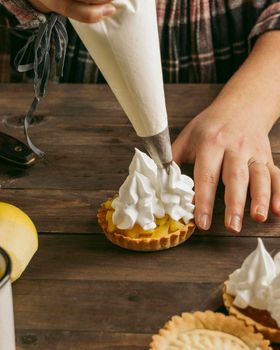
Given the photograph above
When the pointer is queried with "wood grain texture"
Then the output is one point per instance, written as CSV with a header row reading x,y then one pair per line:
x,y
90,257
81,292
87,99
74,211
73,340
82,288
103,306
88,171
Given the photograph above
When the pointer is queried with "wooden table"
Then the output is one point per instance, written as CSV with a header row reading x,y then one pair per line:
x,y
80,292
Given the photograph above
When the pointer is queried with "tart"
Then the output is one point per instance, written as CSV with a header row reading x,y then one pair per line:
x,y
207,331
261,320
168,233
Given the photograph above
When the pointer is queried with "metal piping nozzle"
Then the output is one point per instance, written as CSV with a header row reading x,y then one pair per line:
x,y
159,148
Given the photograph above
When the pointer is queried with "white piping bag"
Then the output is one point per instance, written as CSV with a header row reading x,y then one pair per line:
x,y
126,49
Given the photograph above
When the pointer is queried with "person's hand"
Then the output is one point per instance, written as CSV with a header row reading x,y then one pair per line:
x,y
88,11
221,142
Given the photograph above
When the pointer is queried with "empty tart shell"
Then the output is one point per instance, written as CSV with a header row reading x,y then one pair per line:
x,y
207,331
271,333
143,244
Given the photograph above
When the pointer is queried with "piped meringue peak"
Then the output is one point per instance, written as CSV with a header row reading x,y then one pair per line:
x,y
257,282
149,192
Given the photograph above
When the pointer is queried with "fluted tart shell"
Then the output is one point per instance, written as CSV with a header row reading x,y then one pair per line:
x,y
119,237
260,320
207,331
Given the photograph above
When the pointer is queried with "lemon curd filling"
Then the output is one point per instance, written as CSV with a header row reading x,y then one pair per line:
x,y
165,226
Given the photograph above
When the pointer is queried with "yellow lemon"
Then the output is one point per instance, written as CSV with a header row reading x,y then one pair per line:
x,y
18,236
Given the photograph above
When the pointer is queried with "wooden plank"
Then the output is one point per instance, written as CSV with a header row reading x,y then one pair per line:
x,y
73,340
102,306
82,130
59,210
84,99
62,112
77,169
74,211
69,168
93,258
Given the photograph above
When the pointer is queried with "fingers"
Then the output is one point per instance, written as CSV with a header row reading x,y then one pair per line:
x,y
260,190
275,188
235,178
81,11
89,13
206,176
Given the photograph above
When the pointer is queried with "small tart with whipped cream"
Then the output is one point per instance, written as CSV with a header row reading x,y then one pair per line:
x,y
207,331
252,293
261,320
153,209
167,234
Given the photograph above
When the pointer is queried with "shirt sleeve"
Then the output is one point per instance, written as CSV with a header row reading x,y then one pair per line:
x,y
25,14
268,20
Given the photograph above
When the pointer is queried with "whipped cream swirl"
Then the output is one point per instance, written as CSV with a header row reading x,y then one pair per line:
x,y
274,293
257,282
150,192
176,195
273,304
249,284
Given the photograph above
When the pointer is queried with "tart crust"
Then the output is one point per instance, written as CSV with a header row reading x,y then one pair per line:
x,y
273,334
209,331
144,244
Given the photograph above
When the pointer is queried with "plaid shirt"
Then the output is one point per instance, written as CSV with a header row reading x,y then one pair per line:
x,y
202,41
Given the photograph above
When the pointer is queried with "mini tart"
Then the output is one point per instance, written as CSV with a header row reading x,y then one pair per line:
x,y
261,320
120,238
207,331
